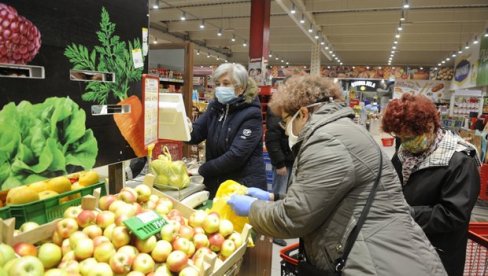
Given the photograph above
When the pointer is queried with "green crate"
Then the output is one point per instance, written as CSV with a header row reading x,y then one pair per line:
x,y
145,225
49,209
5,212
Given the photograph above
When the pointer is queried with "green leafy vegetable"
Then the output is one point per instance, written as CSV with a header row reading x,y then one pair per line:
x,y
112,55
43,140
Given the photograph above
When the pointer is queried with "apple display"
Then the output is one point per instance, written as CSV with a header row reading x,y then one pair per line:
x,y
105,201
127,196
200,240
211,223
93,231
7,253
143,263
189,271
169,232
161,251
129,250
25,249
75,237
28,226
103,252
186,232
226,227
143,192
50,255
105,218
120,236
216,241
147,245
66,227
228,247
85,218
197,218
87,265
28,266
176,261
72,212
121,263
99,240
83,249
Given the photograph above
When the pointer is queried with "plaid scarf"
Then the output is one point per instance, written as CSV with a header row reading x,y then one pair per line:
x,y
411,162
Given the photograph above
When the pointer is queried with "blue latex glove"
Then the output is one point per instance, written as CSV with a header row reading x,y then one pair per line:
x,y
241,204
258,193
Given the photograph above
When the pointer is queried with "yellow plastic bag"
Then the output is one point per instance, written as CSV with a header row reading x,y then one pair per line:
x,y
226,189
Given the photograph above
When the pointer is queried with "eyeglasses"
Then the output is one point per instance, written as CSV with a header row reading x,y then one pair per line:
x,y
282,123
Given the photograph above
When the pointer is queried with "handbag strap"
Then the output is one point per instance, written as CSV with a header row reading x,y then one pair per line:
x,y
341,261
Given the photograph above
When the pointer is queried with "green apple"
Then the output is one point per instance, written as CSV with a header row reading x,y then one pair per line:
x,y
27,266
50,255
56,272
7,253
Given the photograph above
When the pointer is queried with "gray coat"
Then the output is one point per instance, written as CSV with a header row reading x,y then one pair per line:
x,y
334,170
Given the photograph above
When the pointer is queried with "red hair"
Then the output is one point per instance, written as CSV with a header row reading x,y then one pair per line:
x,y
410,114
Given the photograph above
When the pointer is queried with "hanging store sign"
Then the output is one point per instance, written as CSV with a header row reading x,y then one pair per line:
x,y
466,68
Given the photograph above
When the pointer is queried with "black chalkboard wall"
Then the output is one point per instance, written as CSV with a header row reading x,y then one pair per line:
x,y
62,23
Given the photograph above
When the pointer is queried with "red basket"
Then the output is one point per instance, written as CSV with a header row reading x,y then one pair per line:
x,y
387,142
289,260
483,182
477,250
175,149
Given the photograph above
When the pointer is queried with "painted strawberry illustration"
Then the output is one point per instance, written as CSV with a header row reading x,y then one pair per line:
x,y
20,39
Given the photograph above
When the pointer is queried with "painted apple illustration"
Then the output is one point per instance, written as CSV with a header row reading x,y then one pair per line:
x,y
20,40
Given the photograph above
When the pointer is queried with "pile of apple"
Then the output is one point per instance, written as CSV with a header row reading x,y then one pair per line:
x,y
96,242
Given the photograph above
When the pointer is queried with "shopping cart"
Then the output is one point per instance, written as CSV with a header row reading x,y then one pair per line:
x,y
289,260
477,250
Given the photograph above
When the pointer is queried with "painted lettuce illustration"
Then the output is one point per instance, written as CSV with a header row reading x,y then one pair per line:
x,y
40,141
115,56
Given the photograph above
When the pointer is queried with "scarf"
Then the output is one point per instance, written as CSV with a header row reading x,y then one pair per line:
x,y
411,162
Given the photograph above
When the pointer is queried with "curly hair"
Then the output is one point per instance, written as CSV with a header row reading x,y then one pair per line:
x,y
300,91
410,114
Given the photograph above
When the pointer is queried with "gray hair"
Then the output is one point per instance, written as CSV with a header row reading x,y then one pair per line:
x,y
236,71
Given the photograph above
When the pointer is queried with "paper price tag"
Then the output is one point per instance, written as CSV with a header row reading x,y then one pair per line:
x,y
144,41
147,217
137,58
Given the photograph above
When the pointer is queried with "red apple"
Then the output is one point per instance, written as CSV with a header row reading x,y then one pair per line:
x,y
137,207
186,232
211,223
198,230
103,252
105,218
130,251
127,196
143,193
66,227
84,249
161,251
85,218
120,263
93,231
99,240
143,263
25,249
71,267
176,261
228,247
168,232
72,212
200,240
50,255
236,238
216,241
108,230
147,245
56,238
120,236
181,244
105,201
119,220
197,218
226,227
75,237
87,265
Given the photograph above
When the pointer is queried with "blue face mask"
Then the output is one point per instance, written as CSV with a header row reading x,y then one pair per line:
x,y
225,94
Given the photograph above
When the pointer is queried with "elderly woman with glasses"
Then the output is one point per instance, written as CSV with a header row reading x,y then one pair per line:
x,y
335,168
439,175
232,128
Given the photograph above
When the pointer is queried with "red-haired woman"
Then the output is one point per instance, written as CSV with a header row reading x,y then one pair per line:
x,y
439,174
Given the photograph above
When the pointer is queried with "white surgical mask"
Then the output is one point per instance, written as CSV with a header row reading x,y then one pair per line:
x,y
225,94
292,138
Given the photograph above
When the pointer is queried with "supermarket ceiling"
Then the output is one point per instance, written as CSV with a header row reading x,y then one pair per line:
x,y
357,32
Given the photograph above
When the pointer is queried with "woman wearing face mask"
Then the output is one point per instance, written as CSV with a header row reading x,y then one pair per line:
x,y
336,165
439,175
232,128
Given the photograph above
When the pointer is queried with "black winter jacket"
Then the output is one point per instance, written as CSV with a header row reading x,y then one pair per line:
x,y
277,142
234,147
442,197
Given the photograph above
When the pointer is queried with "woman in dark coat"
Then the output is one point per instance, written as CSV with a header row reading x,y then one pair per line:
x,y
439,174
232,128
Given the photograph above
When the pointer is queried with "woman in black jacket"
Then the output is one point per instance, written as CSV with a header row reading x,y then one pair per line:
x,y
439,174
232,128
